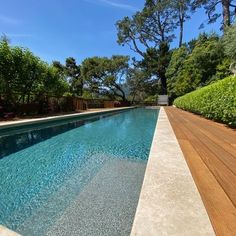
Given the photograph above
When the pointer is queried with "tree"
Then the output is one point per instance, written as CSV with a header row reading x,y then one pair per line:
x,y
149,28
174,69
230,46
7,71
76,80
24,76
228,10
105,75
155,63
149,33
30,70
72,71
140,84
197,67
182,10
53,82
229,42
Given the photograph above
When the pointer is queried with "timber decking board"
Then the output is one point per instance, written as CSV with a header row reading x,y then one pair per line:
x,y
209,150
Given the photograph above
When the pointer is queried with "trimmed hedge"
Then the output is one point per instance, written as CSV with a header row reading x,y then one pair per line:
x,y
216,101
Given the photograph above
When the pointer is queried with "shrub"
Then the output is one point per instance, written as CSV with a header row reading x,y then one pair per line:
x,y
216,101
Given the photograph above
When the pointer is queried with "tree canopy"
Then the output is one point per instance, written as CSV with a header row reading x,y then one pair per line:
x,y
158,69
22,74
106,75
228,10
197,67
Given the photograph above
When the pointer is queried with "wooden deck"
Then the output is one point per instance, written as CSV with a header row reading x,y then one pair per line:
x,y
210,152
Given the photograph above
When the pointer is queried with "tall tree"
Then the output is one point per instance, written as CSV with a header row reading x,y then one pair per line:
x,y
148,28
147,31
229,43
182,8
228,10
155,63
72,71
76,80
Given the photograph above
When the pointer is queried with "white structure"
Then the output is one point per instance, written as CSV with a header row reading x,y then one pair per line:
x,y
163,100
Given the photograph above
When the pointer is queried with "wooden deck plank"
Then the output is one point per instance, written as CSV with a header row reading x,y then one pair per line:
x,y
218,148
219,130
217,163
220,145
212,162
221,211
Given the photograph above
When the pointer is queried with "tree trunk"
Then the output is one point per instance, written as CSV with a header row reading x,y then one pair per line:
x,y
181,32
163,85
181,22
226,13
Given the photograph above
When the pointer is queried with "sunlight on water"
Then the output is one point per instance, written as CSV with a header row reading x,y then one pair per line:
x,y
42,179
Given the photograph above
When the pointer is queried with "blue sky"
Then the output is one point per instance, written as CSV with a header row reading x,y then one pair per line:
x,y
56,29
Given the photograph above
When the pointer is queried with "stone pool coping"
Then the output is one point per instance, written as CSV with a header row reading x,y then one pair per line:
x,y
10,124
7,232
169,203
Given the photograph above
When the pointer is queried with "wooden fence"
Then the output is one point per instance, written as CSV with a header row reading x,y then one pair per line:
x,y
53,104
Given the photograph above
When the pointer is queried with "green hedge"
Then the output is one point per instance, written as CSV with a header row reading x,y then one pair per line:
x,y
216,101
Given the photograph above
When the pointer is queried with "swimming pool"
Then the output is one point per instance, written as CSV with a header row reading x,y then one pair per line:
x,y
80,177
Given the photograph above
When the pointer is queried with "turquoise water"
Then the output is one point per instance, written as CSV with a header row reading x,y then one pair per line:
x,y
78,178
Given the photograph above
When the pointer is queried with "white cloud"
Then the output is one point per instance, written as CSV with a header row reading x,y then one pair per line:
x,y
115,4
8,20
18,35
119,5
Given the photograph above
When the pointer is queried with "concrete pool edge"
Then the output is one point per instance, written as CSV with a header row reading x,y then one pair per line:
x,y
169,202
7,232
11,124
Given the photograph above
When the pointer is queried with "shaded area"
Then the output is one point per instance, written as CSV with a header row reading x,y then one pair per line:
x,y
17,139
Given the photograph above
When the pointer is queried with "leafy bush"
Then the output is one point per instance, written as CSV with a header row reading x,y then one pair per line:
x,y
216,101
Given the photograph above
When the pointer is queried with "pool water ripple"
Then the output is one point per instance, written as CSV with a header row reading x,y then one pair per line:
x,y
41,181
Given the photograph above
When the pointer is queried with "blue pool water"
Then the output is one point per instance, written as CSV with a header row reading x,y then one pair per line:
x,y
82,177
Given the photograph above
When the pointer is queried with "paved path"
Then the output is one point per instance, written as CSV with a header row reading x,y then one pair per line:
x,y
210,151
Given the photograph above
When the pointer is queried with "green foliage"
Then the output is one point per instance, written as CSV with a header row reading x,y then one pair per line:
x,y
72,72
174,69
190,69
211,9
216,101
105,75
22,74
150,27
141,85
155,62
229,42
149,33
152,98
